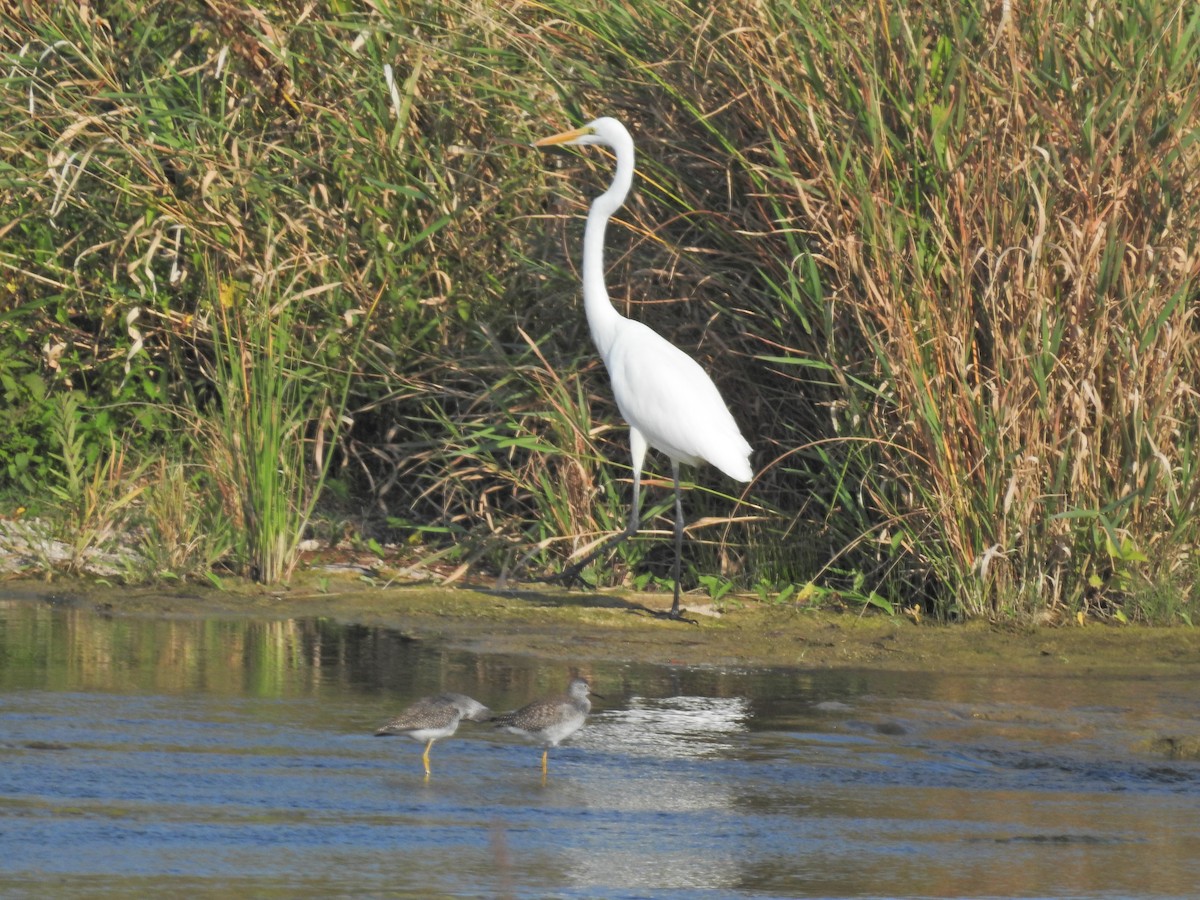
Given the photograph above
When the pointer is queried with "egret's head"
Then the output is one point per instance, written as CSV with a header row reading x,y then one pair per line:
x,y
605,130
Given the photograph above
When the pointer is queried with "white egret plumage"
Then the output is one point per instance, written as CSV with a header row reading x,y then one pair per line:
x,y
669,401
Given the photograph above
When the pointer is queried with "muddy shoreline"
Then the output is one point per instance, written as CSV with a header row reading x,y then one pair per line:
x,y
577,625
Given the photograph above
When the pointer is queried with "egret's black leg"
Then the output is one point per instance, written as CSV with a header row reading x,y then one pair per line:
x,y
675,613
678,538
638,446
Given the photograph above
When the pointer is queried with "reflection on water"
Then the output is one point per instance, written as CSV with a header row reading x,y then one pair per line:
x,y
236,757
672,727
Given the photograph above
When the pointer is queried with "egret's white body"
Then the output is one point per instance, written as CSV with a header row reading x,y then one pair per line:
x,y
668,400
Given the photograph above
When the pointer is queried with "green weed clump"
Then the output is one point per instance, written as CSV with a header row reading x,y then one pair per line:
x,y
943,256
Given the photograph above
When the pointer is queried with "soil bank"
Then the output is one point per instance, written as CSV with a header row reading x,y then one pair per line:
x,y
580,625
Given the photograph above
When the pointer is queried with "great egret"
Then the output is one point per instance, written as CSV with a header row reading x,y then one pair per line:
x,y
669,402
552,720
432,718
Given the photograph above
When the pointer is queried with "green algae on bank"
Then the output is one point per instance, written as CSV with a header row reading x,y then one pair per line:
x,y
574,625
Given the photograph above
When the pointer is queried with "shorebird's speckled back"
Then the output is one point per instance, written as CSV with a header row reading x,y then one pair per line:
x,y
553,719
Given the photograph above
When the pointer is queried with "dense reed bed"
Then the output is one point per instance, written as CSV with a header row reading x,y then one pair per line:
x,y
943,256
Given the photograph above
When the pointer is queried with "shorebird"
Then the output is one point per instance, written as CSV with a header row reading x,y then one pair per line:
x,y
432,718
551,720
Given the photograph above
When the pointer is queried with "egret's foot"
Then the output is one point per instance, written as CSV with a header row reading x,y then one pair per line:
x,y
674,614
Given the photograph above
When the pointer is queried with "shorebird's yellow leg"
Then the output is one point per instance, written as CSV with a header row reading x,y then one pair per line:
x,y
545,753
425,758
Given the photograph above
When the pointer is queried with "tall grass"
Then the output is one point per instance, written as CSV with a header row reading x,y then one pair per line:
x,y
1007,220
178,156
943,254
271,438
971,293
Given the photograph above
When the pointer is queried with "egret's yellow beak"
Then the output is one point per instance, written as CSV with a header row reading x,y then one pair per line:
x,y
565,138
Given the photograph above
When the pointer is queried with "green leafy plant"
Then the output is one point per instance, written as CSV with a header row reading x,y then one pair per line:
x,y
716,586
184,529
93,487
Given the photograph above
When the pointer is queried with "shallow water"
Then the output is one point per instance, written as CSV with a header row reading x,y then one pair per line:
x,y
223,757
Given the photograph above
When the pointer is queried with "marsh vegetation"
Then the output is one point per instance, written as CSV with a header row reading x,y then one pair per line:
x,y
290,271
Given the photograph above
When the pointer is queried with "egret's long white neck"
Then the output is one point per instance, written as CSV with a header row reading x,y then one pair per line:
x,y
602,317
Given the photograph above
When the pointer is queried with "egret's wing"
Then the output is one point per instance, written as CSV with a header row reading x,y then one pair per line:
x,y
669,398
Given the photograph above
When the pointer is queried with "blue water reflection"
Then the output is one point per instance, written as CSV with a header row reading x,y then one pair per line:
x,y
227,757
